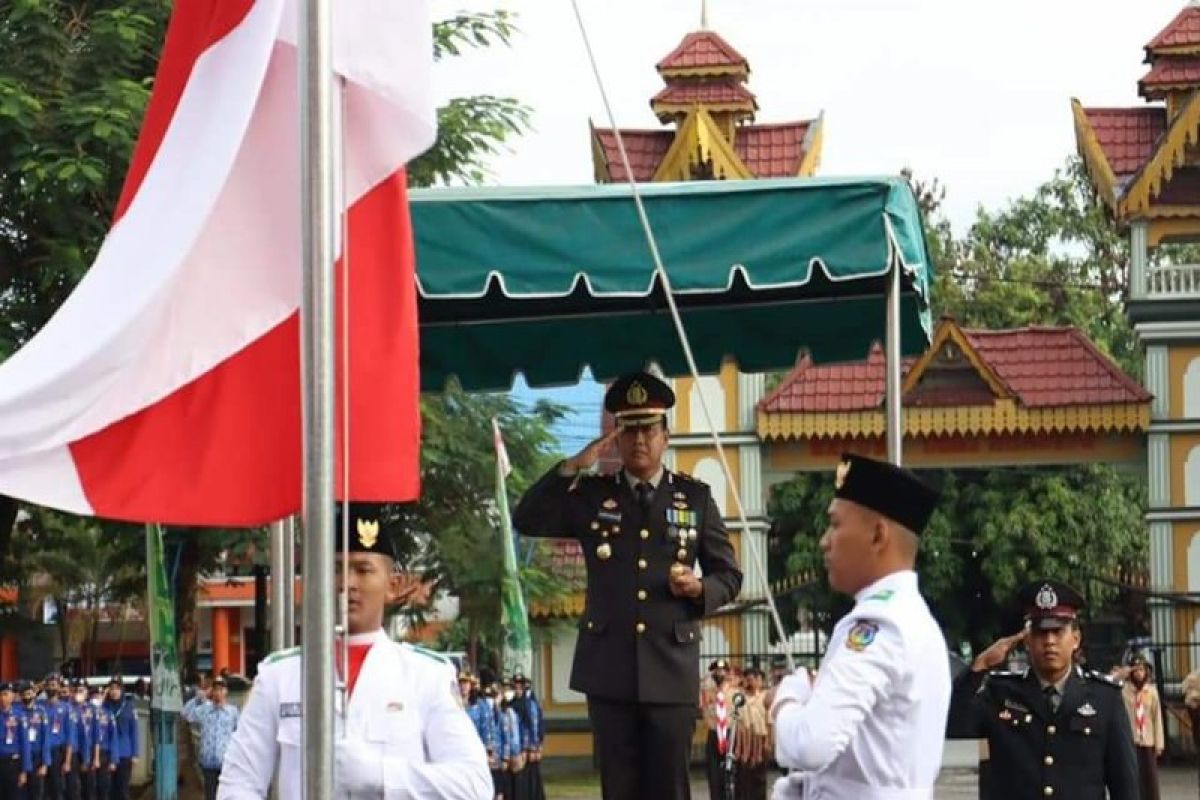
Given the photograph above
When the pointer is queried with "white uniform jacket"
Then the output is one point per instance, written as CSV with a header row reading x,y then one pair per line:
x,y
875,723
403,710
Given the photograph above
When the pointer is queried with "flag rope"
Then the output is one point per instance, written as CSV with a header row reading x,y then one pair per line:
x,y
755,557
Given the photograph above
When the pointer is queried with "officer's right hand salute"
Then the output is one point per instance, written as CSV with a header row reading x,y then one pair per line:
x,y
997,654
590,454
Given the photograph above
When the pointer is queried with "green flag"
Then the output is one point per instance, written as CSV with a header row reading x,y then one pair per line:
x,y
518,646
166,695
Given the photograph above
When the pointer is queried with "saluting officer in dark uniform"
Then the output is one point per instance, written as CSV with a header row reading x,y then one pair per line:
x,y
1053,730
642,530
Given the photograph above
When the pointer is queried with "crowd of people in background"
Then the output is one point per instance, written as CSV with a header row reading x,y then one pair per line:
x,y
511,724
64,740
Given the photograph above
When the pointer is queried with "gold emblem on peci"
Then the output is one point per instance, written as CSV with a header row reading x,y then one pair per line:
x,y
636,395
368,532
843,469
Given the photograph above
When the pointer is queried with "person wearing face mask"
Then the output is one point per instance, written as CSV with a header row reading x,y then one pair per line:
x,y
872,724
643,530
105,754
78,778
1145,715
404,733
36,731
1053,730
483,717
512,751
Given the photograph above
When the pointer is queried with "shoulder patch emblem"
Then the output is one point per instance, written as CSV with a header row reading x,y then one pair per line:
x,y
1104,678
882,595
861,635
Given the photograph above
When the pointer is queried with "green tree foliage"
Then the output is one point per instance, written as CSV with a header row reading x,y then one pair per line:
x,y
455,532
1050,258
74,83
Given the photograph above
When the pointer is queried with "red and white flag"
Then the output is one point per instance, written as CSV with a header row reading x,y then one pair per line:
x,y
167,387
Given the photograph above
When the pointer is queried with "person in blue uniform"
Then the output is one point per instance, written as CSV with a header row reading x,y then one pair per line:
x,y
483,718
125,742
15,762
512,754
81,741
37,732
1054,729
643,530
529,712
104,741
60,732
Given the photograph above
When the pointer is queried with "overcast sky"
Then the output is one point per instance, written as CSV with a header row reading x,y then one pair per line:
x,y
973,93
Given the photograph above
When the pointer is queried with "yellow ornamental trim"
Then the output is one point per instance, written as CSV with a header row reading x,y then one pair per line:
x,y
700,136
569,606
1103,178
949,331
1004,417
1184,132
814,140
702,72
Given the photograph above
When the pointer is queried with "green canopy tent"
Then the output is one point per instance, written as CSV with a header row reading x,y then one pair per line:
x,y
547,281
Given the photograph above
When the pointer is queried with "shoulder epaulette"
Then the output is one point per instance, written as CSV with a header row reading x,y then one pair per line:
x,y
1103,677
685,478
280,655
441,658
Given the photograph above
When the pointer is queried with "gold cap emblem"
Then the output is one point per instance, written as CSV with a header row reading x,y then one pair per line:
x,y
843,469
368,532
637,394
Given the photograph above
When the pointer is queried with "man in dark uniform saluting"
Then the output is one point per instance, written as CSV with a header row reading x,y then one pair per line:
x,y
642,530
1054,730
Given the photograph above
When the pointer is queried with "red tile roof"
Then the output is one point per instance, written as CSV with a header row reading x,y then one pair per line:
x,y
702,49
723,92
1172,72
645,149
772,151
1182,31
1043,367
1127,135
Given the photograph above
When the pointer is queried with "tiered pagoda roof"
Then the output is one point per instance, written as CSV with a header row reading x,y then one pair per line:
x,y
1141,160
970,381
714,137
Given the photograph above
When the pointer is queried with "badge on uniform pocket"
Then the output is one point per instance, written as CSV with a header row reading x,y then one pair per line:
x,y
289,710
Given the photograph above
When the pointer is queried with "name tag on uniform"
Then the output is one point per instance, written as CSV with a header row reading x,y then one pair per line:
x,y
396,706
289,710
1015,706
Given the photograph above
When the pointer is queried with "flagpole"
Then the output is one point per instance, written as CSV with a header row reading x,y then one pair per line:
x,y
317,368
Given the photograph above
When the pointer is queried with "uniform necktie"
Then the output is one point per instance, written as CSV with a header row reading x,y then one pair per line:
x,y
645,493
1053,698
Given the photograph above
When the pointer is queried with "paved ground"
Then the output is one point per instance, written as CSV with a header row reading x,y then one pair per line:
x,y
1178,783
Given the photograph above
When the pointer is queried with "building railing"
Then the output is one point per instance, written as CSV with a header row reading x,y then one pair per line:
x,y
1173,280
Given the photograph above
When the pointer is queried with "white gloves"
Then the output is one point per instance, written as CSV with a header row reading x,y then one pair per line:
x,y
795,688
789,787
358,769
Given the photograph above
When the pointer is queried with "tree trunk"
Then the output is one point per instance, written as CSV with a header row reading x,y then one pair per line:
x,y
64,635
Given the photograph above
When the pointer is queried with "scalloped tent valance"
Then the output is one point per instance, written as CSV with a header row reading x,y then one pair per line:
x,y
547,281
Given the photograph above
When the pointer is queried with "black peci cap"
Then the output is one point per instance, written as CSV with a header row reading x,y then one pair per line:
x,y
892,491
368,534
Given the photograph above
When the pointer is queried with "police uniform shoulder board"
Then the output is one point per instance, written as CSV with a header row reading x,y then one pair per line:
x,y
1102,678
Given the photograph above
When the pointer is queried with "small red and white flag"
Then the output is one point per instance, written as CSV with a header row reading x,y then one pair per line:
x,y
167,387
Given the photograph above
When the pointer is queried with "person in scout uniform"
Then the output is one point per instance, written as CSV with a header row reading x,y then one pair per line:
x,y
642,530
1053,730
404,733
716,708
873,723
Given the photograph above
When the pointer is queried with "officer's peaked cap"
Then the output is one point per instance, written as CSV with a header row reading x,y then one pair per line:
x,y
638,398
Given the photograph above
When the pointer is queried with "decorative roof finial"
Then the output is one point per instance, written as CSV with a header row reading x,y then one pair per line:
x,y
704,14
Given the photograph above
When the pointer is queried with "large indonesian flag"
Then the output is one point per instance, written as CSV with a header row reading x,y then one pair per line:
x,y
167,387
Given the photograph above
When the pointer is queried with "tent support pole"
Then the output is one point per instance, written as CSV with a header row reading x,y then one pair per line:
x,y
317,222
895,424
283,581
